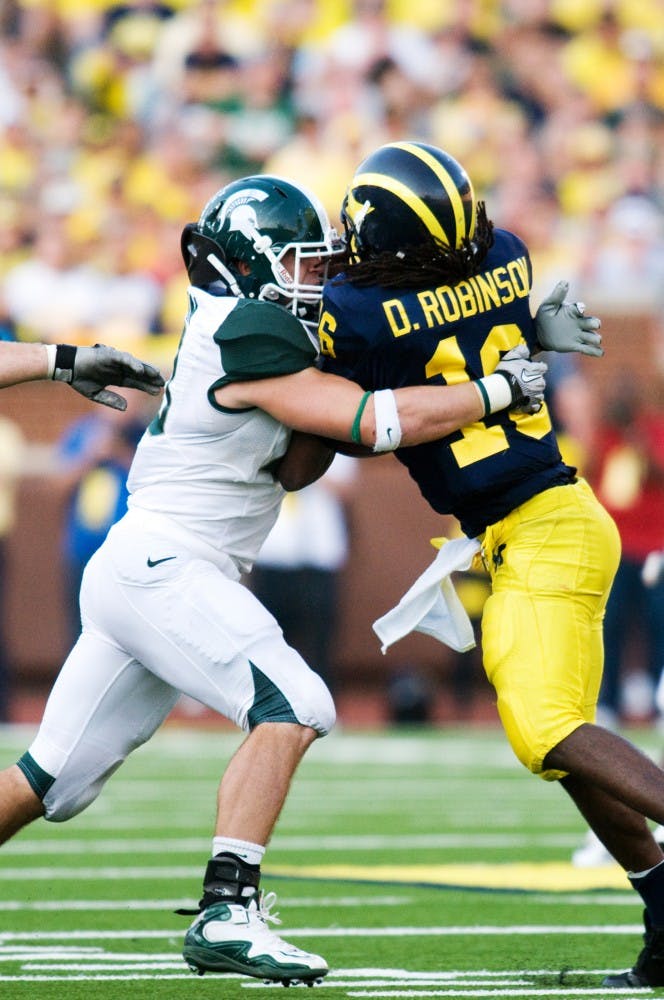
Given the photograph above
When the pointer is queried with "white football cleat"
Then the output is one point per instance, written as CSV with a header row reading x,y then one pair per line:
x,y
231,937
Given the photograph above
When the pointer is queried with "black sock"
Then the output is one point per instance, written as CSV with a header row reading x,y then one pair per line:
x,y
650,887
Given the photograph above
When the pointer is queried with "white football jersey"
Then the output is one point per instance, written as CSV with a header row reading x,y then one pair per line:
x,y
205,467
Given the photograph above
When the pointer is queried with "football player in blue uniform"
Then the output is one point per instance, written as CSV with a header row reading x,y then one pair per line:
x,y
434,294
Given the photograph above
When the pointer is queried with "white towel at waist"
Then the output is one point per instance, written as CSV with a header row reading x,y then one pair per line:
x,y
432,605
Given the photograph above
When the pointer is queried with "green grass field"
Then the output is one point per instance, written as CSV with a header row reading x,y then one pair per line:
x,y
421,863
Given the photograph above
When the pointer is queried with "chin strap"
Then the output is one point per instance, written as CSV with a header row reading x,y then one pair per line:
x,y
226,274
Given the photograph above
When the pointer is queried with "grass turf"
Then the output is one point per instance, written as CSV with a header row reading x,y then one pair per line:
x,y
422,863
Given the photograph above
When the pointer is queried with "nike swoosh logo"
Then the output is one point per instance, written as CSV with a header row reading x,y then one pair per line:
x,y
155,562
530,378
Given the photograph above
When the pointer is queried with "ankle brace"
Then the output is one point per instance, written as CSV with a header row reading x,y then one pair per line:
x,y
229,880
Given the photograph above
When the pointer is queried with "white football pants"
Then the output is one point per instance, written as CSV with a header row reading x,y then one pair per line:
x,y
159,621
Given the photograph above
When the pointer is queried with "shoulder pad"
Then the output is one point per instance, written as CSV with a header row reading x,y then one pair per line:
x,y
261,340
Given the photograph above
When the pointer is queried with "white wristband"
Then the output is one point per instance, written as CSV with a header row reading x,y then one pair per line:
x,y
51,352
495,392
388,426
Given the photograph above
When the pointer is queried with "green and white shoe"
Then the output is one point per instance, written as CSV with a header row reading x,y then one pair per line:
x,y
231,937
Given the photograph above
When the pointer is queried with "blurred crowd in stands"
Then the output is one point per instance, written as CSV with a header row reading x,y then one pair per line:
x,y
119,119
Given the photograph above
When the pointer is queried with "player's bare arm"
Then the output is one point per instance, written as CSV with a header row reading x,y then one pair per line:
x,y
307,458
22,363
321,403
327,404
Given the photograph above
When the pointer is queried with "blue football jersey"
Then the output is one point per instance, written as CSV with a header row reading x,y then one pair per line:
x,y
388,338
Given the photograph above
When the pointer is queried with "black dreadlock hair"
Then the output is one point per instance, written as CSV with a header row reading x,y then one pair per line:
x,y
428,263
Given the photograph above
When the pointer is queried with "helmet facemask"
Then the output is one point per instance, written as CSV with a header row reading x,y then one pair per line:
x,y
289,286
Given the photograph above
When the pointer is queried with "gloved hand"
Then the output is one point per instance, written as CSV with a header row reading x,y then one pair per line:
x,y
89,370
525,378
563,326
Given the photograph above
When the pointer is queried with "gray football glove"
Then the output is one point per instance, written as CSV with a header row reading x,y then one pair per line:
x,y
563,326
525,378
89,370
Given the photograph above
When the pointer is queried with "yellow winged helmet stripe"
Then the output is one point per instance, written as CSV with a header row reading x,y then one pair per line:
x,y
406,195
449,185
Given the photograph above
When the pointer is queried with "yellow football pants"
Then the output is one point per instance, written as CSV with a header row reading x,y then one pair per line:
x,y
552,562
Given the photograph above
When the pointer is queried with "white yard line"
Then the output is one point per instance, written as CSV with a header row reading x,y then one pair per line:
x,y
98,874
341,842
564,991
340,932
17,905
367,983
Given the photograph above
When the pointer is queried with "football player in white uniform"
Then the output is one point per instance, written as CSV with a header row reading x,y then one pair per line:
x,y
163,609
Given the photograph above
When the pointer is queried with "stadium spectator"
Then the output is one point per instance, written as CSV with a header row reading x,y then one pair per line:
x,y
213,24
477,122
316,149
93,457
54,290
627,468
332,76
625,265
262,119
129,297
370,35
614,66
